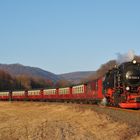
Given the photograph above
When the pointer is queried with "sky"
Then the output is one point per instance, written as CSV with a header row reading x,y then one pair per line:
x,y
64,36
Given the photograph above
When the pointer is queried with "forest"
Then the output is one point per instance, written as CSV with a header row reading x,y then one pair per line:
x,y
22,82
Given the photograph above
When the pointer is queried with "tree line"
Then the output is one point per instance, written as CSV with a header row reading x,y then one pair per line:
x,y
104,68
22,82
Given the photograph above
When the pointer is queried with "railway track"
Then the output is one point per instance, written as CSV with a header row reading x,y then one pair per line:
x,y
121,109
93,106
109,107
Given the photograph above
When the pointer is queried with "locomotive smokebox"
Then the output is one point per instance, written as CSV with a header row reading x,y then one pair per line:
x,y
131,73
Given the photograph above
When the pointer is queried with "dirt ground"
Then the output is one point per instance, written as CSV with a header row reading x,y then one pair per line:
x,y
51,121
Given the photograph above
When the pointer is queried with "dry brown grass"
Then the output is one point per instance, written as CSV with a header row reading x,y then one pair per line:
x,y
51,121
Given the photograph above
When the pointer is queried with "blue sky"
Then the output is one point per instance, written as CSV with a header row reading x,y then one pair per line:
x,y
67,35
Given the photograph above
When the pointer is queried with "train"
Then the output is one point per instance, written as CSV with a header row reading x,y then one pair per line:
x,y
119,87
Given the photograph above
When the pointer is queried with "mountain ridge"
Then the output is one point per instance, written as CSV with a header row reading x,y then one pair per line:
x,y
20,69
78,76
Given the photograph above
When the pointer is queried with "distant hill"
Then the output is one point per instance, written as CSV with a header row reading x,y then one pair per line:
x,y
18,69
77,77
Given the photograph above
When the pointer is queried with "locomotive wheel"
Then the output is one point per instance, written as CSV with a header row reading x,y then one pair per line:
x,y
117,99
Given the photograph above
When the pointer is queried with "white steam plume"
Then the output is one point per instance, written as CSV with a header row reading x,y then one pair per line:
x,y
121,58
104,101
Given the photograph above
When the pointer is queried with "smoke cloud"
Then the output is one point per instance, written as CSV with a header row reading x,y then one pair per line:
x,y
121,58
104,102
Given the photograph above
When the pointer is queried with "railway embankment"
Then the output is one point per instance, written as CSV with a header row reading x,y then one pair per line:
x,y
37,120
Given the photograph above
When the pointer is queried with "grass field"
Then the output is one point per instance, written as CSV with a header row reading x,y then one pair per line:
x,y
52,121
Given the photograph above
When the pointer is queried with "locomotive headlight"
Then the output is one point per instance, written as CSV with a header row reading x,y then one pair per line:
x,y
134,61
127,88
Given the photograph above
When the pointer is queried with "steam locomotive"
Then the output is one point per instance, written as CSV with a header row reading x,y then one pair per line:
x,y
119,87
122,85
